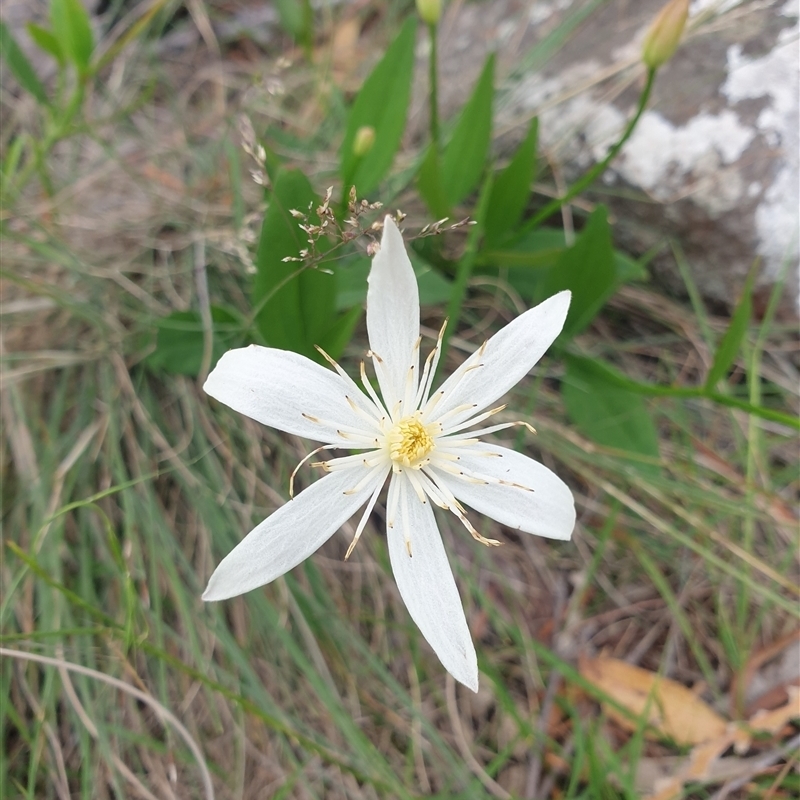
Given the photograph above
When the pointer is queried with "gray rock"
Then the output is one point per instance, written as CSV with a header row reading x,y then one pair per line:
x,y
714,161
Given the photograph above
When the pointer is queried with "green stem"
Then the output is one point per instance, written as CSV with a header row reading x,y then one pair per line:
x,y
598,169
697,393
433,94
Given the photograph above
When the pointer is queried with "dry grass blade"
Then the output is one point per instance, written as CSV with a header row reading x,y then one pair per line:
x,y
163,713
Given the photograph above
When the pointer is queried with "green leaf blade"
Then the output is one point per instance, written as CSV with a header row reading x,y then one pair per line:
x,y
608,413
464,157
732,339
296,304
429,184
180,340
280,320
46,42
588,270
20,66
381,104
74,32
512,188
297,19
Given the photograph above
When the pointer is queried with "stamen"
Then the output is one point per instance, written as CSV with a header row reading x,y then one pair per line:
x,y
345,431
431,364
406,533
410,389
364,481
466,367
410,392
351,383
303,461
458,472
391,500
413,477
476,419
371,392
363,521
458,510
423,380
457,410
446,496
432,491
369,459
366,439
502,426
376,420
380,371
471,476
456,441
431,404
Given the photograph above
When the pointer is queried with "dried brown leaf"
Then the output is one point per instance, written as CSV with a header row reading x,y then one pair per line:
x,y
672,710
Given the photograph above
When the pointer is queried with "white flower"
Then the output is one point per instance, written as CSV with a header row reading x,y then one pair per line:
x,y
420,440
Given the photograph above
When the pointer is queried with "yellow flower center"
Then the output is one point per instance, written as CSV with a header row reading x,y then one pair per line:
x,y
409,442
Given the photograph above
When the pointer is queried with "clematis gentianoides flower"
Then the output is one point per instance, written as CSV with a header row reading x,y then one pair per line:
x,y
425,442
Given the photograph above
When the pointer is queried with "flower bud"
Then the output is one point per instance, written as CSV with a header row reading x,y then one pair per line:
x,y
664,35
363,141
430,10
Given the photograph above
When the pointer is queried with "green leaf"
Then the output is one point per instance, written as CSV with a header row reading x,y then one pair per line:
x,y
540,248
45,41
429,183
464,158
20,66
526,263
297,19
16,147
74,33
336,338
382,104
629,269
180,340
512,189
298,304
608,413
588,270
351,286
732,339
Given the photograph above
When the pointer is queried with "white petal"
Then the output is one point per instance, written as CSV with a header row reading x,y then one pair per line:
x,y
392,312
427,586
548,510
276,387
290,535
508,357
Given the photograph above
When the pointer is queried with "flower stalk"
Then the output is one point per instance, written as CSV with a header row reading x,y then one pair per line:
x,y
598,169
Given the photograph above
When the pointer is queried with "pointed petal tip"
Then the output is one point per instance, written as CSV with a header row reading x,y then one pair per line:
x,y
558,306
561,299
210,595
391,237
207,596
466,674
472,683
